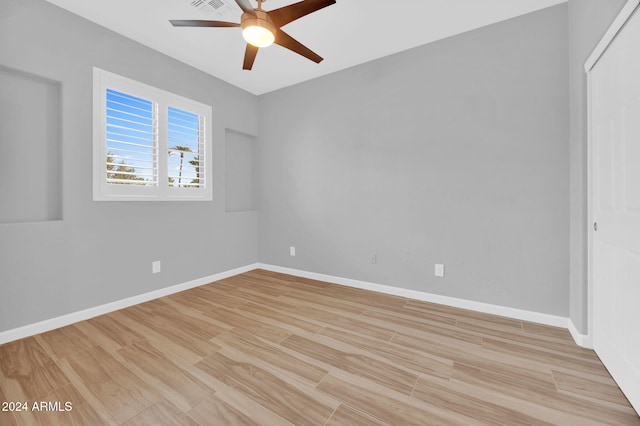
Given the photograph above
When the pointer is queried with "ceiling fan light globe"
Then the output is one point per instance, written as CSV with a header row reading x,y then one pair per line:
x,y
258,36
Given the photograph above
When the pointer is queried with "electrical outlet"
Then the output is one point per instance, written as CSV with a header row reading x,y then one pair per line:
x,y
439,270
292,251
155,267
374,258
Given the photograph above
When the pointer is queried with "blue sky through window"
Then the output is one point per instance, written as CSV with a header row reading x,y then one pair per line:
x,y
132,142
184,139
131,139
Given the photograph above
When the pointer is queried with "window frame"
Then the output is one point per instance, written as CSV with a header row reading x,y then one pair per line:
x,y
103,191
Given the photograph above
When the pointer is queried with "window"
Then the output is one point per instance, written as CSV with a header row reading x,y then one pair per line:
x,y
148,144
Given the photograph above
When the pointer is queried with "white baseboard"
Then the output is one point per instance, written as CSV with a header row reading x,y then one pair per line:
x,y
583,340
487,308
53,323
64,320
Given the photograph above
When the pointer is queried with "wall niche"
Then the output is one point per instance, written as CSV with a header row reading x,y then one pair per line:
x,y
30,152
240,177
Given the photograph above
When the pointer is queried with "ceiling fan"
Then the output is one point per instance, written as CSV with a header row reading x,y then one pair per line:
x,y
261,28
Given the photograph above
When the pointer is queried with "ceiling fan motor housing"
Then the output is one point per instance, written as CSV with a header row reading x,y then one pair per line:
x,y
260,19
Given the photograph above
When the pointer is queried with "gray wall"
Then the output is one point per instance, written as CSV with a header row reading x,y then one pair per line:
x,y
455,152
102,251
481,188
588,21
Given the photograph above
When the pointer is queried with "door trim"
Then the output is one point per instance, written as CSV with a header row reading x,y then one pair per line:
x,y
614,29
627,11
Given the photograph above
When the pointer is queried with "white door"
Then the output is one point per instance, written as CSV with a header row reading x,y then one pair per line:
x,y
615,207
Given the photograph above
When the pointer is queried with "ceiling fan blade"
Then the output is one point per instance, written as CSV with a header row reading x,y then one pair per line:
x,y
245,6
199,23
285,40
286,14
249,56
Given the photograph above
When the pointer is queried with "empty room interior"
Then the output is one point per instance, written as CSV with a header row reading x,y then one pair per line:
x,y
403,213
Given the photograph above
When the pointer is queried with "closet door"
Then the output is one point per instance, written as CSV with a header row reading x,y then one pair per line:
x,y
615,207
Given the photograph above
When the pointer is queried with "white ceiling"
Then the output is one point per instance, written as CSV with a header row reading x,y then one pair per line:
x,y
347,33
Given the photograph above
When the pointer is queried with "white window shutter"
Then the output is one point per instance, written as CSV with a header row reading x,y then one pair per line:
x,y
131,140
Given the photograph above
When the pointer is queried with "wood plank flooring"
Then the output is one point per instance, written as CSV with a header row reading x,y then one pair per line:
x,y
272,349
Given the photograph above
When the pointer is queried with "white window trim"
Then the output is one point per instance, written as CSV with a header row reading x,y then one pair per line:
x,y
163,192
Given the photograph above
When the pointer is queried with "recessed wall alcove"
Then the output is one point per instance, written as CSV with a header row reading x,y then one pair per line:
x,y
30,157
240,178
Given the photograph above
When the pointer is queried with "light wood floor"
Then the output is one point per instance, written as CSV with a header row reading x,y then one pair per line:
x,y
265,348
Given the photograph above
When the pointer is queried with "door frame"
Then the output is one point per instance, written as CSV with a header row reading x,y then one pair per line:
x,y
627,11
